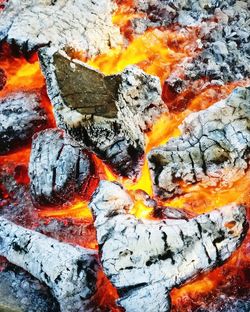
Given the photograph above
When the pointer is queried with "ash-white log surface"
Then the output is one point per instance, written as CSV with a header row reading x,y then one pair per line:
x,y
70,271
58,167
83,25
213,148
145,259
20,117
108,114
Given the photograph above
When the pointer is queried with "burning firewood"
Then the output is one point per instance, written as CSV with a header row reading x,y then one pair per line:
x,y
106,113
145,259
213,148
20,117
58,167
85,24
70,271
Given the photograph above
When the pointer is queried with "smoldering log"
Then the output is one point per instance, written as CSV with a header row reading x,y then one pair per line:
x,y
108,114
70,271
58,167
213,148
21,115
84,25
145,259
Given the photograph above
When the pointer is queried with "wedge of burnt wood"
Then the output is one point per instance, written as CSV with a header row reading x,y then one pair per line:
x,y
85,24
213,148
58,167
3,79
70,271
145,259
19,291
106,113
163,212
20,117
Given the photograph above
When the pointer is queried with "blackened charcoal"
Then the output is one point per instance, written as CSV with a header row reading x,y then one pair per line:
x,y
58,167
20,117
19,291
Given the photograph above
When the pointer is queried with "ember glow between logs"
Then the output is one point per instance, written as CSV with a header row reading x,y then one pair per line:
x,y
159,52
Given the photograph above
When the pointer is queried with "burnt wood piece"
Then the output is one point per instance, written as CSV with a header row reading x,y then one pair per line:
x,y
84,25
145,259
213,148
70,271
58,167
108,114
20,117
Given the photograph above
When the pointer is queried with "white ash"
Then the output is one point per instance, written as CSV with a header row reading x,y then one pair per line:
x,y
213,148
83,25
145,259
70,271
224,35
58,167
121,109
21,115
19,291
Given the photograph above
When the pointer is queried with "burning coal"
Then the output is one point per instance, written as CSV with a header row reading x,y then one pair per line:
x,y
124,155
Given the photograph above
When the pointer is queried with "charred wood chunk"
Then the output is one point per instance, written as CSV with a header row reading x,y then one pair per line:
x,y
146,259
70,271
109,114
58,167
213,148
20,117
85,24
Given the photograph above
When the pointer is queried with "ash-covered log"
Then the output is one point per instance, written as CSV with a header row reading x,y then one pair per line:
x,y
108,114
58,167
84,25
21,115
213,148
70,271
145,259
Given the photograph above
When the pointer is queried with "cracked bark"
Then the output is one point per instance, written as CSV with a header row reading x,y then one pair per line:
x,y
213,148
20,117
83,25
108,114
70,271
145,259
58,167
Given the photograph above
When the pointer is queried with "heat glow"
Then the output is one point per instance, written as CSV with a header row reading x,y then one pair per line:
x,y
160,52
